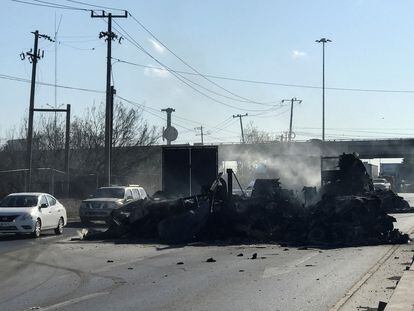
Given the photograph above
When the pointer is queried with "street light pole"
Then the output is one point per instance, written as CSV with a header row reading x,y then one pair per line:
x,y
323,41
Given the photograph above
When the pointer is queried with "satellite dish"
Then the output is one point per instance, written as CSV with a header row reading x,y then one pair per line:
x,y
170,133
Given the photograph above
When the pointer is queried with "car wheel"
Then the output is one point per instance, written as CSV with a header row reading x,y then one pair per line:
x,y
59,228
37,229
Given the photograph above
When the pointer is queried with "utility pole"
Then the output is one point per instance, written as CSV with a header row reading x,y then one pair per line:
x,y
113,93
240,116
33,56
109,37
202,133
323,41
292,101
169,111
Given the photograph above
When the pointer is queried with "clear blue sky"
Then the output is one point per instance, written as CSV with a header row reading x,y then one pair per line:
x,y
274,41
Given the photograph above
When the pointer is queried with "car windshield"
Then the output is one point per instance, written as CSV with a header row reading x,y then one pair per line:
x,y
19,201
380,181
110,193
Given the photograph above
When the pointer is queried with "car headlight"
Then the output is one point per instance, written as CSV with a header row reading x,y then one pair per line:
x,y
25,217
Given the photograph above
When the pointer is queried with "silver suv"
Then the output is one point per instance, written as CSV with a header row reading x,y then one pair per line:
x,y
106,199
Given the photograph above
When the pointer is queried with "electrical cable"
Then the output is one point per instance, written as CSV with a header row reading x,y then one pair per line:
x,y
269,82
183,79
50,5
60,6
191,67
13,78
95,6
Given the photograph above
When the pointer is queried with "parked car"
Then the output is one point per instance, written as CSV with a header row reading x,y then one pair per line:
x,y
381,184
106,199
31,213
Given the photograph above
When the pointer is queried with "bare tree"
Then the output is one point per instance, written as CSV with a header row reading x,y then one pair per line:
x,y
87,139
253,135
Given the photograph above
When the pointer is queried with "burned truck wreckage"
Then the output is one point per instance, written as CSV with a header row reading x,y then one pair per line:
x,y
346,212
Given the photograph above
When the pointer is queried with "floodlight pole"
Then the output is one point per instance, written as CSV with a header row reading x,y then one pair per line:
x,y
323,41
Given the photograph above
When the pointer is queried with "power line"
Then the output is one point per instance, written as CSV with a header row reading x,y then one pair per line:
x,y
148,110
19,79
194,74
50,5
190,66
95,6
156,112
306,86
60,6
180,77
79,48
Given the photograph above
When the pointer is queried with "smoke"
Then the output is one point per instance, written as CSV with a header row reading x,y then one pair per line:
x,y
294,169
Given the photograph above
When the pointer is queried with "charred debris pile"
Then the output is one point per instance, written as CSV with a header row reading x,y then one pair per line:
x,y
349,213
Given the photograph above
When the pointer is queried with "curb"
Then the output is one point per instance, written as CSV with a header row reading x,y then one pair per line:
x,y
403,298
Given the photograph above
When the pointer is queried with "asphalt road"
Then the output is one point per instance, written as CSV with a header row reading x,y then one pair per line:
x,y
55,273
409,197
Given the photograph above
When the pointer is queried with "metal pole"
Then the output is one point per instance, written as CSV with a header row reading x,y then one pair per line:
x,y
323,41
241,126
229,184
202,135
31,112
111,120
109,35
108,103
67,146
240,116
323,91
291,119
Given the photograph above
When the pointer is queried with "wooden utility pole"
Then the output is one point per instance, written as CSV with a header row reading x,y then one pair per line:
x,y
240,116
33,56
109,37
292,102
202,133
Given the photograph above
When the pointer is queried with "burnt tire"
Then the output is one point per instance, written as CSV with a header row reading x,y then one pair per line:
x,y
37,229
59,228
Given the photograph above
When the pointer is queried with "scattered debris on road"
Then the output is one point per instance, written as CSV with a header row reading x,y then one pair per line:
x,y
211,259
349,213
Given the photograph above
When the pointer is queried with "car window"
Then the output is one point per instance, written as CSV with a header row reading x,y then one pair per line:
x,y
142,193
135,194
52,200
128,193
43,200
19,201
110,193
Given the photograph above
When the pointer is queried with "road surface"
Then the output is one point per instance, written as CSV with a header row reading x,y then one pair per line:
x,y
55,273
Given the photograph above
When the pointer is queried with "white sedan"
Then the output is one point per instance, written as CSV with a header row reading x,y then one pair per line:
x,y
31,213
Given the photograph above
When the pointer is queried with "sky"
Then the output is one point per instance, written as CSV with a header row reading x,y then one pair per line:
x,y
372,48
